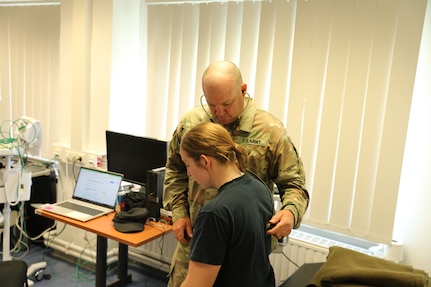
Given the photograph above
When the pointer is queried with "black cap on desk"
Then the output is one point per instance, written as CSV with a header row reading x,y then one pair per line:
x,y
132,220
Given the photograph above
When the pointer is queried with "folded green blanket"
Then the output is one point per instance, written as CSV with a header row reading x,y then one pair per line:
x,y
345,267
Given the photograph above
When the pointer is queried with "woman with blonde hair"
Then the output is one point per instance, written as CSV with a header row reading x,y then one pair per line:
x,y
229,246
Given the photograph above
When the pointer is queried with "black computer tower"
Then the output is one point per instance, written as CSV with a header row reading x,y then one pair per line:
x,y
154,191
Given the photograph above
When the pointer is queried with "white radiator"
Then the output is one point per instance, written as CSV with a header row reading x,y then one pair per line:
x,y
304,247
157,253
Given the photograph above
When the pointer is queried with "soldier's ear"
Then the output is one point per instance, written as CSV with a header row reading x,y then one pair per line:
x,y
244,88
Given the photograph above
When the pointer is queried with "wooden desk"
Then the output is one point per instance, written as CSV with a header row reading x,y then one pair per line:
x,y
103,227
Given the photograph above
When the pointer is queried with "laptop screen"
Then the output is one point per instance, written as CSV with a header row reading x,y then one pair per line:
x,y
97,186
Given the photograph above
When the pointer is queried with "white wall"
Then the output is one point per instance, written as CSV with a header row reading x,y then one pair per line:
x,y
84,70
413,215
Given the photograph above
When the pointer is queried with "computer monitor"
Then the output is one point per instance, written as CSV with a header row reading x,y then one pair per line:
x,y
133,155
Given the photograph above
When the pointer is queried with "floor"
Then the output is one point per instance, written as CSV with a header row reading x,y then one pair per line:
x,y
62,272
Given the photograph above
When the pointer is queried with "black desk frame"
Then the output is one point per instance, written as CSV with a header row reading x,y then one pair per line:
x,y
123,278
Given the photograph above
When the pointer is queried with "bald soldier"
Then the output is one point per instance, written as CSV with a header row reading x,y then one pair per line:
x,y
272,157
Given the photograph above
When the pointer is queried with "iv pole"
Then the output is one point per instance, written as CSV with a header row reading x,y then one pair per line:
x,y
7,154
16,182
6,222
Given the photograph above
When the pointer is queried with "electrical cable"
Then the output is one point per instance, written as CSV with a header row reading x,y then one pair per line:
x,y
161,227
80,275
290,260
79,159
18,226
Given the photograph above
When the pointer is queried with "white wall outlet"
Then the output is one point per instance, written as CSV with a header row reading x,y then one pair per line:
x,y
94,160
78,157
59,153
75,157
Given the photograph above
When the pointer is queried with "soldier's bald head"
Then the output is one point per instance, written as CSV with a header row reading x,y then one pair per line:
x,y
221,73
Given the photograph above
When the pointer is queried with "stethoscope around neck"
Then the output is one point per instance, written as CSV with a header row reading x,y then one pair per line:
x,y
247,95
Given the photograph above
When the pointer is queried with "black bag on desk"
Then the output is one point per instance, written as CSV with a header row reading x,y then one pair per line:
x,y
133,216
134,199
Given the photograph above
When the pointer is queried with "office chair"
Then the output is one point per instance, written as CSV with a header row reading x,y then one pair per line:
x,y
13,273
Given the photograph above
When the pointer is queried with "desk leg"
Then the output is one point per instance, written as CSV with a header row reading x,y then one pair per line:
x,y
123,253
122,268
123,257
102,249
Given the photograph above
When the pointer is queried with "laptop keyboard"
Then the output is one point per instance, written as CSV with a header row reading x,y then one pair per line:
x,y
80,208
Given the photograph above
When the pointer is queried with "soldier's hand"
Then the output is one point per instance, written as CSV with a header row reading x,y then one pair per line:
x,y
283,222
182,229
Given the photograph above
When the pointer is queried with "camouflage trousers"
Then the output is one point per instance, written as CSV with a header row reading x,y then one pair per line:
x,y
179,265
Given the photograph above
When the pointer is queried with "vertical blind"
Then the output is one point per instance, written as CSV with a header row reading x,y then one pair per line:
x,y
352,80
339,74
29,65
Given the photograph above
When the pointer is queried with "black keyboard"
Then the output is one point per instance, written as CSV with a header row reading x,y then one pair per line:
x,y
80,208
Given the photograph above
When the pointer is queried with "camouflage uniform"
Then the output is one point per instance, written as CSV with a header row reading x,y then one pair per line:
x,y
272,157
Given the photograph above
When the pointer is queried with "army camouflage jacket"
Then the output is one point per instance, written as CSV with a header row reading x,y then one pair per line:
x,y
272,157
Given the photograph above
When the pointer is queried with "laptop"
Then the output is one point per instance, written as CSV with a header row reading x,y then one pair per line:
x,y
94,195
